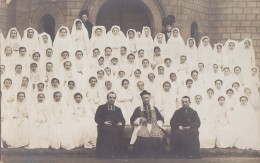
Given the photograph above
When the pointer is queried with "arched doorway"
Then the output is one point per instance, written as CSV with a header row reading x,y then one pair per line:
x,y
195,32
48,25
127,14
154,9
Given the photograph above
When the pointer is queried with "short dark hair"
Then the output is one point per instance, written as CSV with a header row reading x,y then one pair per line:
x,y
243,97
186,97
110,93
76,94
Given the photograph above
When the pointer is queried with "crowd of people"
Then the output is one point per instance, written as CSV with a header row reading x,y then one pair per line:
x,y
50,91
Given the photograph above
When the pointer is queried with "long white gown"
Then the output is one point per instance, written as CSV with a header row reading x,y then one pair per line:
x,y
30,43
191,52
231,54
14,42
98,41
205,52
247,54
40,125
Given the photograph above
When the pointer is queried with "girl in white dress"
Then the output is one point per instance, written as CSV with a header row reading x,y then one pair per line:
x,y
158,57
61,129
131,65
40,123
115,39
45,42
30,40
231,56
146,67
7,58
13,39
205,51
175,46
98,39
79,35
224,125
218,54
20,125
83,126
92,94
191,51
132,40
35,74
238,76
247,54
63,41
146,41
159,40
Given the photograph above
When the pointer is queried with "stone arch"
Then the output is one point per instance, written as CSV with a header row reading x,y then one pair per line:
x,y
156,12
45,9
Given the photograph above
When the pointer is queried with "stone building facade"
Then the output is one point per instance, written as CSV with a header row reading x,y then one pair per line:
x,y
218,19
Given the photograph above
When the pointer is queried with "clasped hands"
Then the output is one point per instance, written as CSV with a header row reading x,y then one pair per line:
x,y
184,128
109,123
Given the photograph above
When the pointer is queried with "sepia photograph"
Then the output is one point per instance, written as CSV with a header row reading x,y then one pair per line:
x,y
138,81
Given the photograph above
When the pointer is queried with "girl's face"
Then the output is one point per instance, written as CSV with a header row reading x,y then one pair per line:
x,y
40,98
243,101
79,55
21,97
219,49
63,32
182,60
131,59
45,39
230,93
235,86
145,64
55,83
78,98
160,38
2,69
226,72
7,84
161,70
221,101
231,46
215,68
79,26
191,43
131,34
108,71
121,74
8,51
140,86
168,63
218,85
108,85
101,61
198,99
30,33
237,70
157,52
98,32
95,53
189,84
65,55
205,41
49,67
247,92
100,75
18,69
173,77
114,61
40,87
210,94
115,31
33,67
71,85
151,77
49,53
141,54
25,82
67,65
125,84
146,32
36,56
137,74
57,97
201,67
175,33
166,87
93,82
247,44
13,34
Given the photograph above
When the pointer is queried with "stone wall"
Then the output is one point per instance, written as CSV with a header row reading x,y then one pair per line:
x,y
235,19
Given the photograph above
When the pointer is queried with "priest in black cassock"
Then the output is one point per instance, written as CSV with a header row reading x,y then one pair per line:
x,y
147,137
111,123
184,131
168,23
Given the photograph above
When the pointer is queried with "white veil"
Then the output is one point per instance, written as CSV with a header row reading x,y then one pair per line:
x,y
98,41
30,43
13,42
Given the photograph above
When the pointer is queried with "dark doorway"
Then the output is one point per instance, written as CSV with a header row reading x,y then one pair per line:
x,y
125,13
48,24
195,32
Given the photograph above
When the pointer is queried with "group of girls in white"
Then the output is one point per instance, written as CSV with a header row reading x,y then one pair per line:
x,y
50,90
